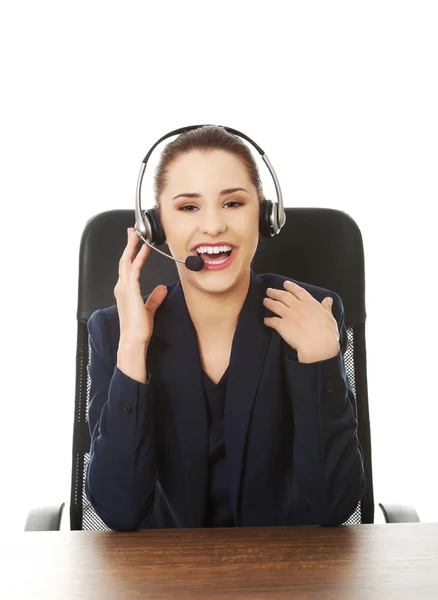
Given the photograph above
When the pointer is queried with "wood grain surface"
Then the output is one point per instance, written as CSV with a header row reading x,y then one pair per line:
x,y
381,561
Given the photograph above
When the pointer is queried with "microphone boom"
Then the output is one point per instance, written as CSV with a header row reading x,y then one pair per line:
x,y
193,263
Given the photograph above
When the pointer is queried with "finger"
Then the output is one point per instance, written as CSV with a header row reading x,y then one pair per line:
x,y
140,259
155,299
273,322
328,303
131,244
281,296
276,307
296,290
129,252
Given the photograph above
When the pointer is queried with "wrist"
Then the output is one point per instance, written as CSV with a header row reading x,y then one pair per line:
x,y
131,359
308,357
129,344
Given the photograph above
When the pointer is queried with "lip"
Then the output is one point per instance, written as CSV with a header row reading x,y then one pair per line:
x,y
211,245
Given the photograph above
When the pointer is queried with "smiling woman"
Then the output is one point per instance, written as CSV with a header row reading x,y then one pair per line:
x,y
227,421
209,197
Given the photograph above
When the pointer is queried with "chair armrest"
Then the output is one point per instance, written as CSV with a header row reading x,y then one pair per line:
x,y
44,518
399,513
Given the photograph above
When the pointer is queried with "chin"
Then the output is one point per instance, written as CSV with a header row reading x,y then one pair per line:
x,y
220,282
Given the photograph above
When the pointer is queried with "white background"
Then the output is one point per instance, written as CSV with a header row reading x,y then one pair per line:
x,y
342,96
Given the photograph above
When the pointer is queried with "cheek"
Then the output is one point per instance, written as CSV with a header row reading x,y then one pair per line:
x,y
248,226
179,232
174,227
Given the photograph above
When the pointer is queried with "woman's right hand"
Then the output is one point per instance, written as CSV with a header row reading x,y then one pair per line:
x,y
136,317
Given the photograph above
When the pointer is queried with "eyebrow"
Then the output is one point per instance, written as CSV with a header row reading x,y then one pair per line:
x,y
222,193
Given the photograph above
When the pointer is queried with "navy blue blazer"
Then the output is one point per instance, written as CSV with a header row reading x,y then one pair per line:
x,y
293,455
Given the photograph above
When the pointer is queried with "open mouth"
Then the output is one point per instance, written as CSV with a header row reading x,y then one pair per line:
x,y
216,257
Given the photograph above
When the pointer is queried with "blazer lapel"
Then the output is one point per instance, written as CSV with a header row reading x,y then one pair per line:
x,y
248,351
180,366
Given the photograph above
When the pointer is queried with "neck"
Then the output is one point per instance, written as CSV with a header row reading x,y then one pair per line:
x,y
213,313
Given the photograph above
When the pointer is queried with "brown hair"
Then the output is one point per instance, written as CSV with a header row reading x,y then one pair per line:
x,y
208,137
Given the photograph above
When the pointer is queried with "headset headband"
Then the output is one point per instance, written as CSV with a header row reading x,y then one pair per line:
x,y
278,217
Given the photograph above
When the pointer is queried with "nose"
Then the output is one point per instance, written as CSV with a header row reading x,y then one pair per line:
x,y
213,221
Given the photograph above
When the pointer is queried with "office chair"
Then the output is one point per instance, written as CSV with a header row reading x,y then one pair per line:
x,y
320,246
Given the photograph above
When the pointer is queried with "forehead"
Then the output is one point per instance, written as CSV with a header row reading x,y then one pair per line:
x,y
201,167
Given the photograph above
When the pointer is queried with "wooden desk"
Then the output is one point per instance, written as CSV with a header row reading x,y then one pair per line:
x,y
355,562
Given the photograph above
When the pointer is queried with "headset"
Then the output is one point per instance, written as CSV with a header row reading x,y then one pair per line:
x,y
148,223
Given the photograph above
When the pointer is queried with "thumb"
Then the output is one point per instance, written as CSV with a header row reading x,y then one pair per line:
x,y
155,299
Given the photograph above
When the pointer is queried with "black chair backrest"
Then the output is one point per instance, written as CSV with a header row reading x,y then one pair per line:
x,y
317,245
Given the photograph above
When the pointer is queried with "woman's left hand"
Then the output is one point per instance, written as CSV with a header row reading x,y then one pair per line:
x,y
305,324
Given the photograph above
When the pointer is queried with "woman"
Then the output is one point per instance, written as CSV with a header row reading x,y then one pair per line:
x,y
222,399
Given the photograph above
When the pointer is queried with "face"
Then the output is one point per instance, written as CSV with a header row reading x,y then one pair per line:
x,y
209,200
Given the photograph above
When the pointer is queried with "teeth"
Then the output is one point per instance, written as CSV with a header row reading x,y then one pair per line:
x,y
213,249
216,262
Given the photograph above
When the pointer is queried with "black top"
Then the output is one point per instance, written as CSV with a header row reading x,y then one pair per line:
x,y
219,513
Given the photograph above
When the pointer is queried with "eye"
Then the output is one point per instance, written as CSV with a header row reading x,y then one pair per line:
x,y
235,202
186,207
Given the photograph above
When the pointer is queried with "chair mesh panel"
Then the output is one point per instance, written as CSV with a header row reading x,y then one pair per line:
x,y
356,517
90,519
82,514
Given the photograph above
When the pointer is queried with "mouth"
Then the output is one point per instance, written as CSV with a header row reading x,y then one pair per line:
x,y
215,257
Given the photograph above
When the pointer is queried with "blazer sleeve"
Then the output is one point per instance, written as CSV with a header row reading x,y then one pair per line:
x,y
122,471
327,456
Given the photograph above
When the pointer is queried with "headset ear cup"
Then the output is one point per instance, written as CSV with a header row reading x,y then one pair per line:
x,y
158,235
265,218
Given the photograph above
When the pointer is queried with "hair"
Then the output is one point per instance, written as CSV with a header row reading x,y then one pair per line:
x,y
207,137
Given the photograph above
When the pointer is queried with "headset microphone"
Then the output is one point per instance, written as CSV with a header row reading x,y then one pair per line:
x,y
193,263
